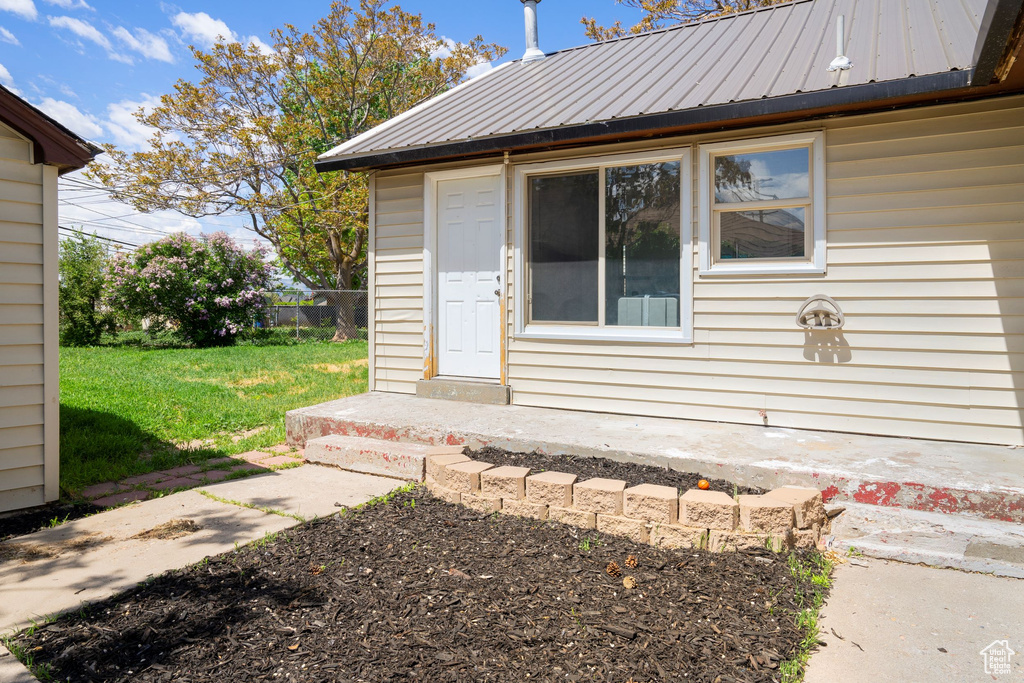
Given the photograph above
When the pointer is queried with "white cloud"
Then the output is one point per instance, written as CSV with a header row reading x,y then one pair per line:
x,y
72,117
263,47
478,69
71,4
93,216
124,129
147,44
444,48
85,30
202,29
5,77
8,37
82,29
23,8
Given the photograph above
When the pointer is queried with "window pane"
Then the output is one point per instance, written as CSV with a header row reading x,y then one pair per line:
x,y
642,245
763,175
773,233
564,247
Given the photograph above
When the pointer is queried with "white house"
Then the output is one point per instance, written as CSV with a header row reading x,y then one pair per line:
x,y
632,226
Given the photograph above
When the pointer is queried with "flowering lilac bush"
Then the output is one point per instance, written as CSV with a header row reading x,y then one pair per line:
x,y
208,287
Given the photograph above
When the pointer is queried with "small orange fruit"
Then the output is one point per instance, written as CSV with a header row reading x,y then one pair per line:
x,y
703,485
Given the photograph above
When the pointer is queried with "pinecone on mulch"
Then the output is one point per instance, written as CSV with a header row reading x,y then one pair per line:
x,y
613,570
632,562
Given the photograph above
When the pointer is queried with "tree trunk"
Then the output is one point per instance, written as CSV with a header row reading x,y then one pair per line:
x,y
344,304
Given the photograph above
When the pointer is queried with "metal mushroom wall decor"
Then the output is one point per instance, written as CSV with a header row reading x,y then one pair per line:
x,y
820,312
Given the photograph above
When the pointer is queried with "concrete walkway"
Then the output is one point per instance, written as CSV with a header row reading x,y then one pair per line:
x,y
902,622
89,559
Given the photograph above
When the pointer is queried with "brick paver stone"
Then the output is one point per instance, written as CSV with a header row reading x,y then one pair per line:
x,y
120,498
651,502
807,504
182,471
524,508
252,456
218,461
708,510
634,529
584,520
436,464
211,475
97,490
177,482
248,467
465,476
763,513
603,496
504,482
550,488
150,478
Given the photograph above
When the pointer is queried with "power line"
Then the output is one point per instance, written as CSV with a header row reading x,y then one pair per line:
x,y
99,237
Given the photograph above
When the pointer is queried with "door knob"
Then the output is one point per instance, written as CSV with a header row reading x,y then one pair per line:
x,y
497,292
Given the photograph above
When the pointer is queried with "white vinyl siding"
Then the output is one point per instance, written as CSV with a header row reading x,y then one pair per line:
x,y
23,326
925,218
398,288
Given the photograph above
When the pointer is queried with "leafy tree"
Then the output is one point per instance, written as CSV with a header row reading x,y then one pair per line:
x,y
244,137
661,13
81,270
208,287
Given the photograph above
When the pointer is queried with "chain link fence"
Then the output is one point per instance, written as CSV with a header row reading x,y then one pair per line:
x,y
317,315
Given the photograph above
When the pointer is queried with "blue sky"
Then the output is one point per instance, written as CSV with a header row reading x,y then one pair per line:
x,y
91,63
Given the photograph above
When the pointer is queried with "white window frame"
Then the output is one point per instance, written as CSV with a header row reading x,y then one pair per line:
x,y
814,263
682,334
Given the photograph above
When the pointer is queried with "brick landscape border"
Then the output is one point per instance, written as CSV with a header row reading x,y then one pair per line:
x,y
784,518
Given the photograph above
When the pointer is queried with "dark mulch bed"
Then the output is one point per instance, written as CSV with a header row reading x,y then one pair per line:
x,y
417,589
589,468
21,523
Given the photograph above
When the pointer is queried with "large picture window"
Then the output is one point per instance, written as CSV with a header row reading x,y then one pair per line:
x,y
605,247
762,206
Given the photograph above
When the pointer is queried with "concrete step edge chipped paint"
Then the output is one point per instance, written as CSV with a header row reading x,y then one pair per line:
x,y
931,476
930,538
370,456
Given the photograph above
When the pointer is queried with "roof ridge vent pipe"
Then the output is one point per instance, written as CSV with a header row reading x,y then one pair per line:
x,y
841,62
533,51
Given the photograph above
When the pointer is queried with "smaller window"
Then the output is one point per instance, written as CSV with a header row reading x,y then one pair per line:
x,y
763,206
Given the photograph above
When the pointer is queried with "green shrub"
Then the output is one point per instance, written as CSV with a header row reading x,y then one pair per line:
x,y
208,288
81,268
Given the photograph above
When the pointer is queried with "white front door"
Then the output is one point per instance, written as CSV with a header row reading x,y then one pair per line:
x,y
469,239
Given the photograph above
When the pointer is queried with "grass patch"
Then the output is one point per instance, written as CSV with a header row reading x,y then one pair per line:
x,y
813,575
130,409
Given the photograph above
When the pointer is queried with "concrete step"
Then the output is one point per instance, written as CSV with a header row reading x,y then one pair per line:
x,y
400,460
932,476
931,538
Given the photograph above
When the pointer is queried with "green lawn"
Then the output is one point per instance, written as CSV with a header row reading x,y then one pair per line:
x,y
129,410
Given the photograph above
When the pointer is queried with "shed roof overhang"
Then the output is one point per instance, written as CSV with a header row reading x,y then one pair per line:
x,y
54,144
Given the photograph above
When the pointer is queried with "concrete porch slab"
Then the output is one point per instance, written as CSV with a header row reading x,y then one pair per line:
x,y
933,476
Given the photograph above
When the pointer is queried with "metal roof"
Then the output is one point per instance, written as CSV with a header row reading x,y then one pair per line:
x,y
762,54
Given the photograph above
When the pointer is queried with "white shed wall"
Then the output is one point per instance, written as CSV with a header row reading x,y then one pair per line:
x,y
28,327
